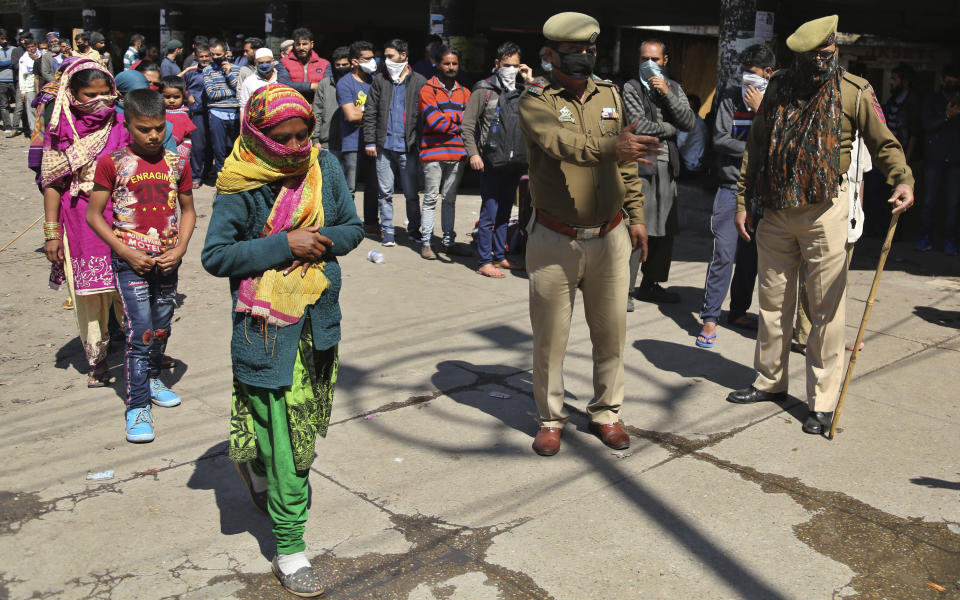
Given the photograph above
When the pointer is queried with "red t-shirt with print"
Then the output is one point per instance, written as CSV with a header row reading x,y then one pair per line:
x,y
144,192
181,124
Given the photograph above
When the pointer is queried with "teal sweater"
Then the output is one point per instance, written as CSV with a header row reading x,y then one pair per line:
x,y
234,249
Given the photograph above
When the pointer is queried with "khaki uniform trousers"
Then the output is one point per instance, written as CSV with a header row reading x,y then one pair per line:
x,y
801,330
557,265
786,239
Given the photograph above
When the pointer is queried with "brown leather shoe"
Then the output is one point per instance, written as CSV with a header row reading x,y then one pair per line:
x,y
547,442
612,435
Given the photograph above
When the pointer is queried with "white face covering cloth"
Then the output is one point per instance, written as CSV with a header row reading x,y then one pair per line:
x,y
369,67
756,81
395,69
508,77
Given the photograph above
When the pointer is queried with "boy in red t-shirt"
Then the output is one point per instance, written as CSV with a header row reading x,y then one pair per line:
x,y
174,92
145,183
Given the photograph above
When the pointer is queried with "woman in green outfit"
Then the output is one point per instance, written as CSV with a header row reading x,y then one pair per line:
x,y
282,215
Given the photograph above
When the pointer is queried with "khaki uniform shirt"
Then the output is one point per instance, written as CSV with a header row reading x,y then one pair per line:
x,y
575,176
886,151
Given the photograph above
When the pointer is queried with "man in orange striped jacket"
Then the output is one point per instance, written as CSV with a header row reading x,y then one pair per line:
x,y
442,152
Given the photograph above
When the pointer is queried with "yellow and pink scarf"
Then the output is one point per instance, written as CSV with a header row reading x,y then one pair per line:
x,y
257,160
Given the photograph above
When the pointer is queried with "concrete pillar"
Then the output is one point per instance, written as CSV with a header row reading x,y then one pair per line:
x,y
737,18
172,24
30,20
88,14
453,21
276,24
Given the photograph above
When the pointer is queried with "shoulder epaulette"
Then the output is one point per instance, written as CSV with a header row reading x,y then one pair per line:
x,y
858,82
536,87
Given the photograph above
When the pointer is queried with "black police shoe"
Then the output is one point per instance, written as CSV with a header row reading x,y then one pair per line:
x,y
817,422
751,394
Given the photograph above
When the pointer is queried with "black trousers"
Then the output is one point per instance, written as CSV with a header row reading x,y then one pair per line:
x,y
656,269
744,278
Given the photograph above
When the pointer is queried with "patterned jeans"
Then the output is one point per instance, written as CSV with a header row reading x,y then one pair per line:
x,y
148,302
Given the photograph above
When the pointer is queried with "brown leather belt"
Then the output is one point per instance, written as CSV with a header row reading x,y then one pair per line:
x,y
578,233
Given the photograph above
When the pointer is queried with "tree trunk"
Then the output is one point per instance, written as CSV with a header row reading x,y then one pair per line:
x,y
737,18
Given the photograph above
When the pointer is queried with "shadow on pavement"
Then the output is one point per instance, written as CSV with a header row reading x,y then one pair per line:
x,y
513,412
933,482
691,361
680,313
944,318
215,471
71,355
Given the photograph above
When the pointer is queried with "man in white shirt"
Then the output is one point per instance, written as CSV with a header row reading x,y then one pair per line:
x,y
265,73
25,81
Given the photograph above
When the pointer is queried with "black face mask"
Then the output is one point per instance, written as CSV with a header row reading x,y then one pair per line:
x,y
577,65
815,72
340,72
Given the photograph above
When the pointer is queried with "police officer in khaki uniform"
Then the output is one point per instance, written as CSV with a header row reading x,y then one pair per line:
x,y
794,170
589,216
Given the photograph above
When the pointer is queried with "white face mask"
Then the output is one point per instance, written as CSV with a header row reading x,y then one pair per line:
x,y
395,69
508,76
369,67
546,66
756,81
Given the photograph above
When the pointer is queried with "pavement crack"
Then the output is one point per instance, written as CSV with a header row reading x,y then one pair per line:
x,y
19,508
893,557
101,584
439,551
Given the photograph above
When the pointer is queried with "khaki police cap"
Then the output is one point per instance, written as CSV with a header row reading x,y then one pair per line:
x,y
813,34
572,27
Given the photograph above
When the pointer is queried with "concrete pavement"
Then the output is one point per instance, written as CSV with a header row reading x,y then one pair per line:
x,y
426,486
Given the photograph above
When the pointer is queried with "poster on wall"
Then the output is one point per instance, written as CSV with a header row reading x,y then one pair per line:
x,y
763,25
436,24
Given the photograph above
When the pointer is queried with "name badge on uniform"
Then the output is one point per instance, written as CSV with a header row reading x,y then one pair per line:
x,y
565,115
609,113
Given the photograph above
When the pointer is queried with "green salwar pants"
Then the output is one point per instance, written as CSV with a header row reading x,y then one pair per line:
x,y
275,430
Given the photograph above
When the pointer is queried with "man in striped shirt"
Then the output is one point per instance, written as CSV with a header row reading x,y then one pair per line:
x,y
132,54
442,151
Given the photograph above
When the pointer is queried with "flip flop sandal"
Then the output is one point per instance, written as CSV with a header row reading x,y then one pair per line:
x,y
707,343
99,380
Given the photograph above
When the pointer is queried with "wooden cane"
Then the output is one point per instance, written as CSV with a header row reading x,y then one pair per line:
x,y
19,235
863,322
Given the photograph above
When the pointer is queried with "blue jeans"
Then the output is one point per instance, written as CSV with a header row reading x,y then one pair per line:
x,y
441,180
148,302
198,149
390,164
356,164
720,269
941,180
223,132
498,189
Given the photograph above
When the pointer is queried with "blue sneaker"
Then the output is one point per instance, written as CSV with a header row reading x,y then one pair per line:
x,y
140,425
162,395
388,240
924,244
950,248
